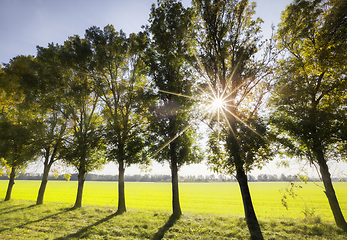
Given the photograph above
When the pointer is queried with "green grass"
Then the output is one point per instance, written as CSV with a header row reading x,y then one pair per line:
x,y
213,198
211,211
21,219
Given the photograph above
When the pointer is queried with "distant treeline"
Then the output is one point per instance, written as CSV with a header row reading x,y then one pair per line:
x,y
167,178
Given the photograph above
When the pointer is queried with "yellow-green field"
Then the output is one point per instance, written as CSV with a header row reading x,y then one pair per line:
x,y
218,198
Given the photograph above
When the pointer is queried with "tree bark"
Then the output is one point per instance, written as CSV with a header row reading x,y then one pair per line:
x,y
43,185
121,193
251,218
10,184
81,179
330,192
176,208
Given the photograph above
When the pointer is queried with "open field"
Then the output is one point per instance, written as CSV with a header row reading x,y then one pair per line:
x,y
211,211
215,198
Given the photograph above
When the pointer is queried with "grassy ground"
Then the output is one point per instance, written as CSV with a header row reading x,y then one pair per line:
x,y
211,198
23,220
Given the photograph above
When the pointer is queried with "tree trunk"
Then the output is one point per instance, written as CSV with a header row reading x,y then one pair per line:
x,y
121,193
251,218
330,192
10,184
176,208
44,181
81,179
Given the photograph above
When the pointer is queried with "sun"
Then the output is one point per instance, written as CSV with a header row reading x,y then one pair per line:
x,y
218,103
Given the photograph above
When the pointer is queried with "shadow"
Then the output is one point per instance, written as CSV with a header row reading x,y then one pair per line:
x,y
17,209
38,220
9,207
80,233
161,232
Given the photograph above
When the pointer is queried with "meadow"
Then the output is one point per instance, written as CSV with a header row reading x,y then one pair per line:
x,y
215,198
210,209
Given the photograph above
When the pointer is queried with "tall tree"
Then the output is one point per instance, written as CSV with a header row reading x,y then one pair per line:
x,y
309,102
19,126
51,88
120,74
228,40
84,148
169,58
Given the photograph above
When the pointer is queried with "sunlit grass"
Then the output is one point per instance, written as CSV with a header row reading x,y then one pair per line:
x,y
212,198
21,219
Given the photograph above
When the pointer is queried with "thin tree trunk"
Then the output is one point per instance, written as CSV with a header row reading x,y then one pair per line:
x,y
121,193
43,185
330,192
81,179
10,184
176,208
251,218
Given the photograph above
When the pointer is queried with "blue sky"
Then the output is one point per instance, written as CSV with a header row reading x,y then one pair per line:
x,y
24,24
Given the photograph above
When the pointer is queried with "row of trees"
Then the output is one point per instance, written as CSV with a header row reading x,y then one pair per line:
x,y
167,178
109,97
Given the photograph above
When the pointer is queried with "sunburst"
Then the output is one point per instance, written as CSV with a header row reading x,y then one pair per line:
x,y
215,106
218,104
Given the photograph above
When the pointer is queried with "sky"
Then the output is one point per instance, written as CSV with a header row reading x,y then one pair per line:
x,y
25,24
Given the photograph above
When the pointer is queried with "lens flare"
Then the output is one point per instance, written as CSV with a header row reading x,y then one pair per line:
x,y
218,103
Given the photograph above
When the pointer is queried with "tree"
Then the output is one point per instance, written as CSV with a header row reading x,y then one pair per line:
x,y
84,148
19,126
169,58
309,101
120,74
236,82
51,87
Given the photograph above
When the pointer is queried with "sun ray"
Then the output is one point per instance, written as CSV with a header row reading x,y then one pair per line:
x,y
179,134
176,94
226,119
216,105
243,122
206,77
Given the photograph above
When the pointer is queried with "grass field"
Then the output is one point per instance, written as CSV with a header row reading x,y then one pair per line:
x,y
211,211
22,220
215,198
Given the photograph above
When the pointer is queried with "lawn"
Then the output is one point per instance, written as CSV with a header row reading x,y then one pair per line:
x,y
211,211
210,198
21,219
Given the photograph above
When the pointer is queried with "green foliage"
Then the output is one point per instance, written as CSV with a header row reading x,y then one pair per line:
x,y
254,146
228,40
120,76
53,85
169,58
67,177
17,141
310,91
84,147
20,129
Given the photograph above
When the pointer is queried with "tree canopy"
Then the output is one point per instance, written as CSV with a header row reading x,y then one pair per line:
x,y
309,101
120,76
169,61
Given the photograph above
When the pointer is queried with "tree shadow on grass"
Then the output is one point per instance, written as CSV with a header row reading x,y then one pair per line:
x,y
17,209
83,232
161,232
36,221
